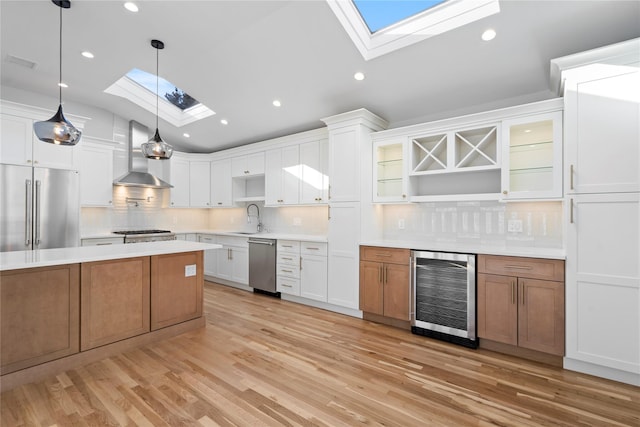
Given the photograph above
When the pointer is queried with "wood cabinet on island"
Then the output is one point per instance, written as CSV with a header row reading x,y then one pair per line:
x,y
64,307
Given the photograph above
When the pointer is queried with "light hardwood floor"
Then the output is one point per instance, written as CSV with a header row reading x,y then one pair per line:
x,y
262,361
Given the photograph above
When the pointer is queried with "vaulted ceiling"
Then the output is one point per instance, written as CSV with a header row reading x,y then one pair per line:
x,y
236,57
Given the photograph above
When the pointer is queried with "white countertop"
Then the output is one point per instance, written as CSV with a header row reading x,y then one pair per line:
x,y
552,253
277,236
49,257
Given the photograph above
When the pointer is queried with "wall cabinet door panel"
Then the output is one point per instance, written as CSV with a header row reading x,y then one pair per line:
x,y
199,184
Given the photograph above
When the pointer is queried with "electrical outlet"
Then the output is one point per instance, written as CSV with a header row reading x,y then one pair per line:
x,y
401,224
189,270
514,226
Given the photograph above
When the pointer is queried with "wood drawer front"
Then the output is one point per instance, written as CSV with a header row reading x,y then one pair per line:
x,y
388,255
533,268
291,246
313,248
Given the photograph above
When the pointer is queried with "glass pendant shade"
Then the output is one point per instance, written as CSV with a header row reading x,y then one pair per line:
x,y
156,148
57,130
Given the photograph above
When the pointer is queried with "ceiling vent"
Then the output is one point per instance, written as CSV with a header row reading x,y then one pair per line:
x,y
20,61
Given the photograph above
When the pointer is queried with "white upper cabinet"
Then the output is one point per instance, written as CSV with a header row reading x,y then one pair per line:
x,y
96,174
221,184
282,177
602,150
532,157
390,177
344,165
462,163
248,165
20,146
180,179
199,184
314,169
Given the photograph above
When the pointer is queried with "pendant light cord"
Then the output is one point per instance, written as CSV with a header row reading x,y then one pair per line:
x,y
157,84
60,61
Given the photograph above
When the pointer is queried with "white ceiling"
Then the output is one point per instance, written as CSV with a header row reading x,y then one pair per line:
x,y
237,56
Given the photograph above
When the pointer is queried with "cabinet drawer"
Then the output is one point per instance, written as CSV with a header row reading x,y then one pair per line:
x,y
288,271
288,285
313,248
207,238
288,259
102,241
388,255
289,246
241,242
533,268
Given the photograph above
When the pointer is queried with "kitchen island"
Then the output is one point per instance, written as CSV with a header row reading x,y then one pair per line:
x,y
60,308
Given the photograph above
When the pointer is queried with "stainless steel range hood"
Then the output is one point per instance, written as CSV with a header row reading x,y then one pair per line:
x,y
138,175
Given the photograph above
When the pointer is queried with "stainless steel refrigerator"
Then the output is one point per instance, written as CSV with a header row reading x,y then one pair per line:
x,y
39,208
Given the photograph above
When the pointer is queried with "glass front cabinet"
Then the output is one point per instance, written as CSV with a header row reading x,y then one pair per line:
x,y
532,157
390,171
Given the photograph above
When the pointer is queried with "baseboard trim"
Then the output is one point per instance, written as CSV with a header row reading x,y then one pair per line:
x,y
525,353
602,371
396,323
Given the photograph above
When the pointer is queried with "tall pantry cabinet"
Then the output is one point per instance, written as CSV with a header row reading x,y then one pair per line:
x,y
350,213
602,188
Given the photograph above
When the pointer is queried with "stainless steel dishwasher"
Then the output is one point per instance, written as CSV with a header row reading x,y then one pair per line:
x,y
262,265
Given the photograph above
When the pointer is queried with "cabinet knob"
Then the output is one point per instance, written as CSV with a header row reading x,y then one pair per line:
x,y
110,202
505,192
219,203
404,196
35,162
28,161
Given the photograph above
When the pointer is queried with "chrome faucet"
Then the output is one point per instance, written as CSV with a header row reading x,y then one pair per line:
x,y
257,216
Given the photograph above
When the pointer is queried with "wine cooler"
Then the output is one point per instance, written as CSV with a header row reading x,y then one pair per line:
x,y
444,296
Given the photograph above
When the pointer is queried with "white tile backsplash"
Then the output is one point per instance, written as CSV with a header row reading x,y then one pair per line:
x,y
480,223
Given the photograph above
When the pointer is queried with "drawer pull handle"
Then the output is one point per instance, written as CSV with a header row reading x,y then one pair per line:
x,y
383,255
287,246
287,271
286,286
518,267
312,249
290,259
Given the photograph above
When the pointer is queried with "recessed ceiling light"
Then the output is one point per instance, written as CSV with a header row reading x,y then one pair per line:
x,y
186,135
87,54
224,122
489,34
358,76
131,6
62,84
276,103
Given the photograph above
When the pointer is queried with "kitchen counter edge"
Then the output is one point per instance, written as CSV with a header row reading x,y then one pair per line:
x,y
50,257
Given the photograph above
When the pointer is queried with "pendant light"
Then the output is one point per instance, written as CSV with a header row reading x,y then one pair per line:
x,y
156,148
58,130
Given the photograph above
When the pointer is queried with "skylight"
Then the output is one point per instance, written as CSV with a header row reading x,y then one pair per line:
x,y
174,105
406,23
167,90
379,14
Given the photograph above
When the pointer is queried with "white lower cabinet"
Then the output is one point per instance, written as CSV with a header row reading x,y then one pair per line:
x,y
288,267
210,256
603,283
233,259
344,255
102,241
302,269
313,275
